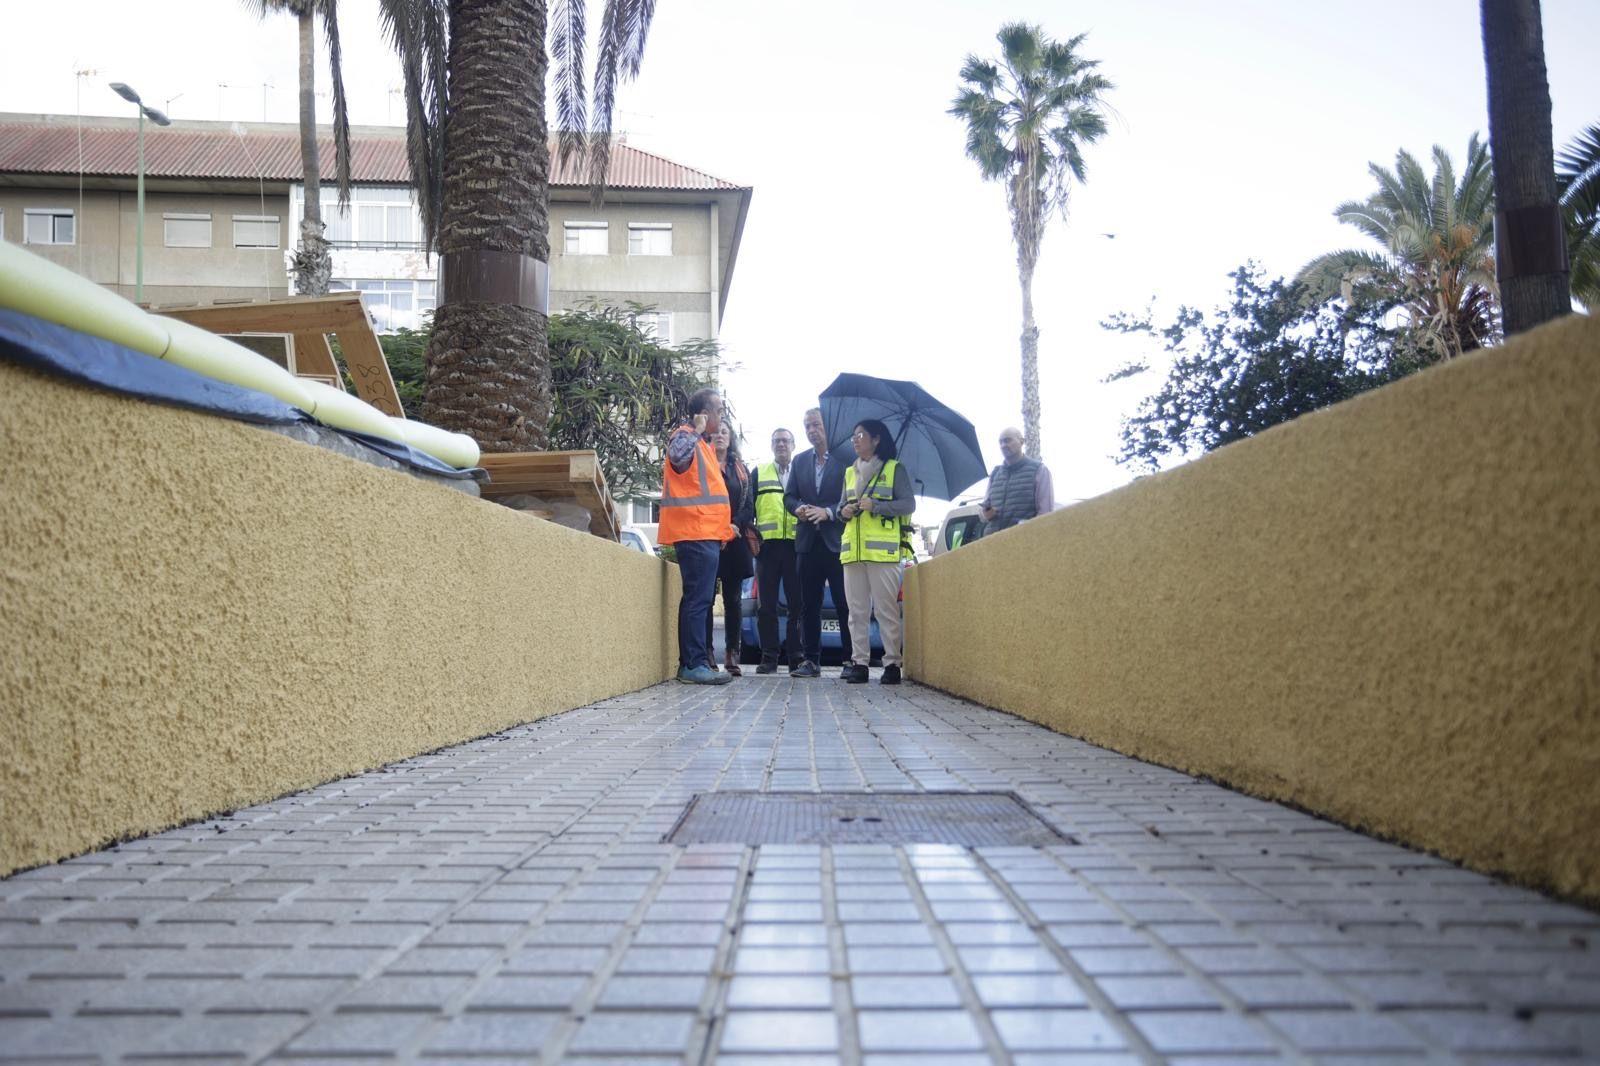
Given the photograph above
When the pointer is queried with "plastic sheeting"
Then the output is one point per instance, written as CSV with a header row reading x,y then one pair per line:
x,y
65,352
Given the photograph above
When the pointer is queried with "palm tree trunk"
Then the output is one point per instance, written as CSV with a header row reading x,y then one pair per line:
x,y
1030,364
311,264
1530,241
488,367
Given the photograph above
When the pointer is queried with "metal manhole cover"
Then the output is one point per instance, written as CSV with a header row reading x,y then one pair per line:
x,y
972,819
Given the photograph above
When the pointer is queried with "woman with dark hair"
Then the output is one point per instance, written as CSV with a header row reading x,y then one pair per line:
x,y
736,563
877,502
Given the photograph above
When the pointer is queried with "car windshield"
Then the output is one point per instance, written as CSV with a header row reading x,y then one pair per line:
x,y
963,530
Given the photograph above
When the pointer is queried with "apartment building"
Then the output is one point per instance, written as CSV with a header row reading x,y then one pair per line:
x,y
223,202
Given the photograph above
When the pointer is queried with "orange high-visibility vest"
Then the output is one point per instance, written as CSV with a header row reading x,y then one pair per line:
x,y
694,504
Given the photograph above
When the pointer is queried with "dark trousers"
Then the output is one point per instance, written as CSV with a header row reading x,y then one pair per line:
x,y
732,615
697,566
777,563
820,568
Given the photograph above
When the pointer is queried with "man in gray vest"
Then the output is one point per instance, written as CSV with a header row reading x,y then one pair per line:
x,y
1019,488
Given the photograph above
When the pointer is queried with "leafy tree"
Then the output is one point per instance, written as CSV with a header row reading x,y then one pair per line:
x,y
615,389
1436,257
1578,172
1533,276
312,264
1028,117
1265,357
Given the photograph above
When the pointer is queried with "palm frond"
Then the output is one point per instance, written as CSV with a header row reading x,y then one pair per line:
x,y
567,39
417,31
1332,275
624,27
341,111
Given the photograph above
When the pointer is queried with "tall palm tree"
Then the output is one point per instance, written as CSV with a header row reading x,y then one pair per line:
x,y
312,263
480,158
1436,257
1578,174
1028,117
1532,259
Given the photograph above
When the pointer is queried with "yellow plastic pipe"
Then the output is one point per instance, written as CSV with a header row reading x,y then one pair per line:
x,y
217,357
38,287
457,449
49,291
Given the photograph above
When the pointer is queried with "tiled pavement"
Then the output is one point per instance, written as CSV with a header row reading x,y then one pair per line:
x,y
511,900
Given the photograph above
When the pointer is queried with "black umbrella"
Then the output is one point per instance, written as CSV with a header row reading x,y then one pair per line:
x,y
937,445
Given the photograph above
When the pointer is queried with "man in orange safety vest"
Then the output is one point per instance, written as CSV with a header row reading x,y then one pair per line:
x,y
697,521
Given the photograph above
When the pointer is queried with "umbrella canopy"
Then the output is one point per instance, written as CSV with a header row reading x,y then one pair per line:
x,y
937,445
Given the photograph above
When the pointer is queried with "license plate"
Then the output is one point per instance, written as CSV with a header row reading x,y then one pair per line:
x,y
830,625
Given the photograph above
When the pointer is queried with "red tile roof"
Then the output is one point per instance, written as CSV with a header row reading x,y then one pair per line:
x,y
213,150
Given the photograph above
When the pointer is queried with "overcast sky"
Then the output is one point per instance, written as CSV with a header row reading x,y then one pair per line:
x,y
872,245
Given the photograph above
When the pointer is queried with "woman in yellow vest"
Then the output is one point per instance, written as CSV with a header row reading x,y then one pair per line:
x,y
877,502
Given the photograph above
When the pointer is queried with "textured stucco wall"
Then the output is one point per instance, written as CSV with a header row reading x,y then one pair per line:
x,y
1387,612
196,614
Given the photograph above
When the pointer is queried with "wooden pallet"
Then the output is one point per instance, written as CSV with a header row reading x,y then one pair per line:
x,y
554,475
310,320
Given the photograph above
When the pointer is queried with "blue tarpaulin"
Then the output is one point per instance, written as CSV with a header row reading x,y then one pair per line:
x,y
64,352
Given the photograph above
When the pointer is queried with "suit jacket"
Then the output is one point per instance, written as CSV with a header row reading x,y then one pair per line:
x,y
802,488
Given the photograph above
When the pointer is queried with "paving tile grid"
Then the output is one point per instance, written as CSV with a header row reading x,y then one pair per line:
x,y
510,899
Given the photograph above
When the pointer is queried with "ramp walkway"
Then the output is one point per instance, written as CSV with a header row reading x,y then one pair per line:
x,y
512,899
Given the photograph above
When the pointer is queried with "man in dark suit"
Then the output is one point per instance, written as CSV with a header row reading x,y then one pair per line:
x,y
816,484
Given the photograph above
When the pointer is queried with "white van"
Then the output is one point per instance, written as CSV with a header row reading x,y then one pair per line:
x,y
962,525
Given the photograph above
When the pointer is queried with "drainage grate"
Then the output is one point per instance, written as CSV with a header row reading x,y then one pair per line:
x,y
973,819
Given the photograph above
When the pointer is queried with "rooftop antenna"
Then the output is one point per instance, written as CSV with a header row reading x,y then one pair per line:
x,y
261,185
79,75
221,85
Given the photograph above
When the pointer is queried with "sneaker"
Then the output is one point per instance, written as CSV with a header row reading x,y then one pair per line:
x,y
702,675
855,674
891,675
806,669
769,668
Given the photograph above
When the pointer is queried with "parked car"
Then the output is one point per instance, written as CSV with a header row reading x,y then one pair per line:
x,y
637,539
962,525
832,642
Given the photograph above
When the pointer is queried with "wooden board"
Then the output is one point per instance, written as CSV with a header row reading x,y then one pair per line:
x,y
310,319
554,475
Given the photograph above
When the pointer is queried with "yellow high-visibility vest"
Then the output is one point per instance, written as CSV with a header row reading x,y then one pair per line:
x,y
773,520
872,538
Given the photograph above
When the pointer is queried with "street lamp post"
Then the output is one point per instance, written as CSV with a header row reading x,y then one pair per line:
x,y
159,119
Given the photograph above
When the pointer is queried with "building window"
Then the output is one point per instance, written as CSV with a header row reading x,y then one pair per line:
x,y
587,238
656,325
255,231
187,231
48,226
649,238
379,217
393,303
646,511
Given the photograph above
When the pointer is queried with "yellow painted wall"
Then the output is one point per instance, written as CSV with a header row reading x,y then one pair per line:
x,y
196,614
1387,612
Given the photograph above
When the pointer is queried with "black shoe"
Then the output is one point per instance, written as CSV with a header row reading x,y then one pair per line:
x,y
767,668
877,660
891,675
806,669
855,674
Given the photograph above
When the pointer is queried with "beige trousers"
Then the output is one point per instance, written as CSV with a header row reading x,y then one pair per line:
x,y
873,588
